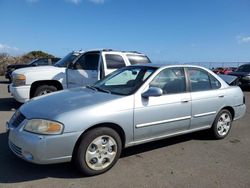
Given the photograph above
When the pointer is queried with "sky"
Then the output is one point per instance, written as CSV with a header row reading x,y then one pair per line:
x,y
165,30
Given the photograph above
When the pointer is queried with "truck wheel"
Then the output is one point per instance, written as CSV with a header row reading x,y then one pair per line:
x,y
98,151
222,124
44,89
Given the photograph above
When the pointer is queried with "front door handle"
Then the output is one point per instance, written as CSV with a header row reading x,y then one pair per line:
x,y
221,96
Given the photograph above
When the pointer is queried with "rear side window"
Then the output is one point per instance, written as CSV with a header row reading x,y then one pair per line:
x,y
215,84
114,61
138,59
201,80
88,61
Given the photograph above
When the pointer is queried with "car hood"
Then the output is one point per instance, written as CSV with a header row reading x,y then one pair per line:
x,y
55,104
35,69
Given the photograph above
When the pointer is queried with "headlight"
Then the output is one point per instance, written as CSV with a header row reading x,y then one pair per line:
x,y
18,79
41,126
246,78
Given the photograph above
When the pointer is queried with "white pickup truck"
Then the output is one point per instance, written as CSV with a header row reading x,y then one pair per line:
x,y
74,70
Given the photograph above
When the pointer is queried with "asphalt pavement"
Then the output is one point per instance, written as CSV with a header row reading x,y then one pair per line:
x,y
193,160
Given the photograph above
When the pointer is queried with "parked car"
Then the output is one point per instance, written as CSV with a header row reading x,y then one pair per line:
x,y
33,63
243,74
83,69
224,70
133,105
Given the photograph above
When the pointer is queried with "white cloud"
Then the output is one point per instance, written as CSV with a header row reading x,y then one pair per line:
x,y
243,39
74,1
9,49
97,1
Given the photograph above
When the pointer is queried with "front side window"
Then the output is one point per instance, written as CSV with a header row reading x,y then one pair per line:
x,y
125,81
88,61
114,61
170,80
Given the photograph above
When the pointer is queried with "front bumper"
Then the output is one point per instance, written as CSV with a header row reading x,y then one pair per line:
x,y
20,93
41,149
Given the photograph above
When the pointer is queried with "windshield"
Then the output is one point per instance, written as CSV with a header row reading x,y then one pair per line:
x,y
64,62
30,63
124,81
244,68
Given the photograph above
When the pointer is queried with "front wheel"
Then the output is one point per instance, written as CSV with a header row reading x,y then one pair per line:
x,y
98,151
44,89
222,124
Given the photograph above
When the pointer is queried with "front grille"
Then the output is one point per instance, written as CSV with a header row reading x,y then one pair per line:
x,y
17,150
18,118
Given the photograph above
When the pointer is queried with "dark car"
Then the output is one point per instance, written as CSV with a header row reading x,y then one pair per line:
x,y
33,63
243,73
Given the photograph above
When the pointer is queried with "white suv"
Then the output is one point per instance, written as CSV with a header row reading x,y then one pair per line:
x,y
74,70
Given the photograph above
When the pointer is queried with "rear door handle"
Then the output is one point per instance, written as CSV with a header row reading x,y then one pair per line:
x,y
221,96
185,100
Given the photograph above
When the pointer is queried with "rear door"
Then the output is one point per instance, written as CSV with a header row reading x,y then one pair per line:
x,y
207,97
84,71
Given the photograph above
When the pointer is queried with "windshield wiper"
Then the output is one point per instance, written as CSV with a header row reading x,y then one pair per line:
x,y
91,87
101,89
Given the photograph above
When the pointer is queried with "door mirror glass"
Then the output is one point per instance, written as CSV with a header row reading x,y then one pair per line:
x,y
152,92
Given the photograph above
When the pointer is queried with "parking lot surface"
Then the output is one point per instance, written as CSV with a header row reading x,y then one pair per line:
x,y
193,160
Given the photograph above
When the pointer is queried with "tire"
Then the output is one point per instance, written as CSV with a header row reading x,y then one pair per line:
x,y
44,89
222,124
93,159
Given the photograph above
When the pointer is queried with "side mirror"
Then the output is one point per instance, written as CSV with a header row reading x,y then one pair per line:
x,y
152,92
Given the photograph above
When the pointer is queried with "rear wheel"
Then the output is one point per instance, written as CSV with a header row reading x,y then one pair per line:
x,y
98,151
44,89
222,124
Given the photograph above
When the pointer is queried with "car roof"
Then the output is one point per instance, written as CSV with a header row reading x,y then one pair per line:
x,y
155,65
118,51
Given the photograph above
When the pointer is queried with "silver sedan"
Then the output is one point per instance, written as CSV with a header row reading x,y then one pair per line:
x,y
90,126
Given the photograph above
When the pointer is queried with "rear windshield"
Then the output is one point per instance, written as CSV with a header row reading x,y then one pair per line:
x,y
138,59
244,68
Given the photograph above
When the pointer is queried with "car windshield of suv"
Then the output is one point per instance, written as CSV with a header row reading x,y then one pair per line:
x,y
34,60
64,62
244,68
124,81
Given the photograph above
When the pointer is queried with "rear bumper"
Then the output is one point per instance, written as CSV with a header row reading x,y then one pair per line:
x,y
239,111
20,93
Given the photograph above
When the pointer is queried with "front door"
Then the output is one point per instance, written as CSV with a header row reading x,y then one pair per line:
x,y
84,71
166,114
